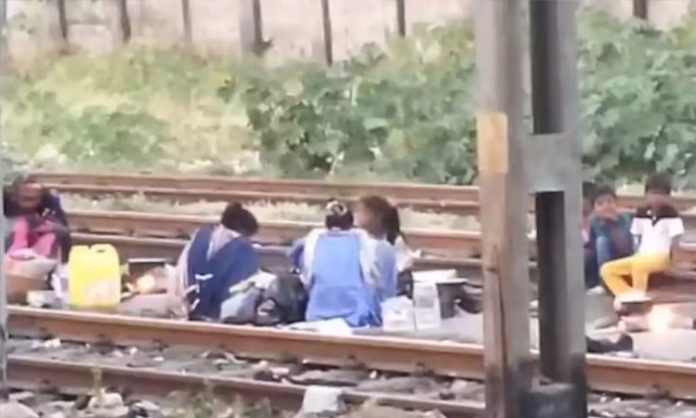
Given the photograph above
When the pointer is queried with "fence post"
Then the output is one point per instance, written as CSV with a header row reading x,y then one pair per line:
x,y
186,20
328,35
401,17
251,28
124,21
640,9
63,21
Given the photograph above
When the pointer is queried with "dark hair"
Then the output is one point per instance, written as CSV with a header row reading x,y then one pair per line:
x,y
659,183
338,215
23,179
388,214
236,218
588,191
602,191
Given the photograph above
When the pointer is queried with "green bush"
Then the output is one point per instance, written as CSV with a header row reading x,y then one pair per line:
x,y
638,100
136,108
405,112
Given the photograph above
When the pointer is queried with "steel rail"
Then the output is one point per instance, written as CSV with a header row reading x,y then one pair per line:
x,y
169,248
404,191
461,243
270,232
637,377
463,208
456,199
76,377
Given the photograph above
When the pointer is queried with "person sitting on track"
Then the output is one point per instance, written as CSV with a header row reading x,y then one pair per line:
x,y
337,218
609,233
38,223
404,255
27,196
379,219
657,228
216,258
339,270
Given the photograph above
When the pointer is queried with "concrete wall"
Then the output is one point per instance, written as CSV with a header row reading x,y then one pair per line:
x,y
295,27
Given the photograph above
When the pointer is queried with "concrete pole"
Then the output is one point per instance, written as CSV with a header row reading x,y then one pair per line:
x,y
4,388
558,208
503,197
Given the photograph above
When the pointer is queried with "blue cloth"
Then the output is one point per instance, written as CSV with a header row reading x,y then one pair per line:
x,y
211,277
338,287
608,241
594,259
296,253
386,260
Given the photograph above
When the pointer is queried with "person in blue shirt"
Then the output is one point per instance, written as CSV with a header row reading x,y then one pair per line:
x,y
340,268
379,219
217,258
609,233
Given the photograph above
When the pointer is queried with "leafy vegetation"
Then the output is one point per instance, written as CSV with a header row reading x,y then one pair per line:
x,y
133,109
404,112
638,100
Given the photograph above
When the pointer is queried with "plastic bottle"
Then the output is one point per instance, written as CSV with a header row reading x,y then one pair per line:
x,y
94,277
426,305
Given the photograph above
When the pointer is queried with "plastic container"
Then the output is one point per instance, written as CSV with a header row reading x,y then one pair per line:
x,y
397,315
94,277
426,305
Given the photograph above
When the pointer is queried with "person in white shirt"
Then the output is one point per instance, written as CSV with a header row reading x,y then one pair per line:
x,y
656,228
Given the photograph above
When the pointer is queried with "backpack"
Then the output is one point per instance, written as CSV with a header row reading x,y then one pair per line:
x,y
284,301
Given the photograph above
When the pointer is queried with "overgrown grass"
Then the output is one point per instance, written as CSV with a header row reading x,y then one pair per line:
x,y
132,109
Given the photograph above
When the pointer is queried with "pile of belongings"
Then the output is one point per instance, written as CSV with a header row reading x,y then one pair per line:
x,y
265,300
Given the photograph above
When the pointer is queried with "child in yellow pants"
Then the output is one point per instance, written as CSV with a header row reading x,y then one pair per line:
x,y
656,228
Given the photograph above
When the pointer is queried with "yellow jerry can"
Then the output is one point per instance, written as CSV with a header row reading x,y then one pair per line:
x,y
94,277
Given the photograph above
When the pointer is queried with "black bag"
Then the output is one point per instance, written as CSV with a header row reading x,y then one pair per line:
x,y
241,307
283,302
404,284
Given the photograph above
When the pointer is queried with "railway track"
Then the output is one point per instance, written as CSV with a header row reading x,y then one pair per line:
x,y
270,232
461,200
77,377
273,258
465,244
451,359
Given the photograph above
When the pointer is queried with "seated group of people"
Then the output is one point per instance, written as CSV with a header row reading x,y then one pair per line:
x,y
360,257
348,267
624,251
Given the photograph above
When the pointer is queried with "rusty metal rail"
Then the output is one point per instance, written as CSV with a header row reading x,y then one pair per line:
x,y
462,243
403,191
170,248
272,233
75,377
638,377
439,198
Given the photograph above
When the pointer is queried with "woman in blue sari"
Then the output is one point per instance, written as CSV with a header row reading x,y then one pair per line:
x,y
217,258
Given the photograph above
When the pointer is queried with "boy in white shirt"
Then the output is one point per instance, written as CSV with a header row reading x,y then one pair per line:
x,y
656,228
